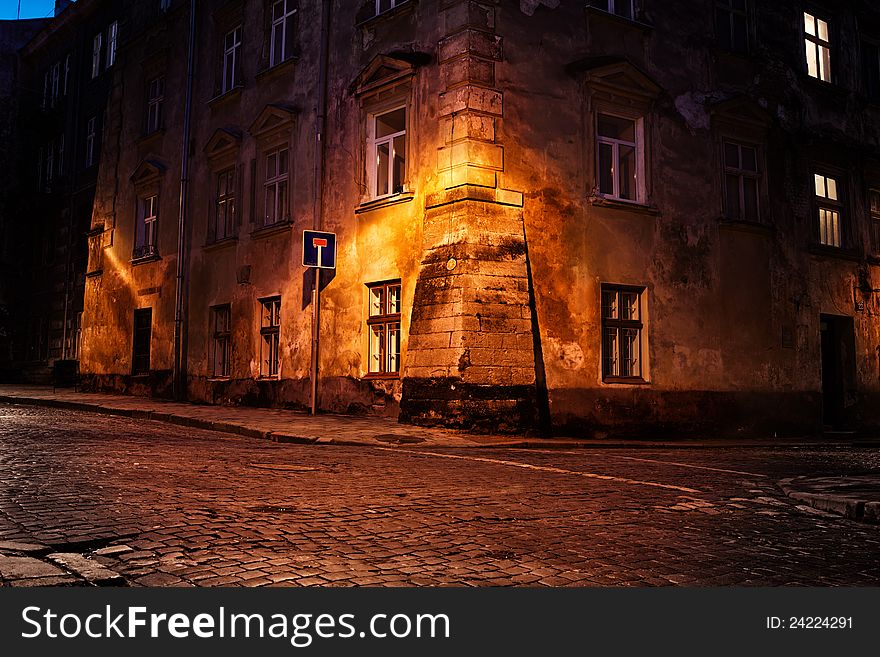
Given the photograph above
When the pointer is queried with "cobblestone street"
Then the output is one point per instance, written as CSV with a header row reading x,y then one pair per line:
x,y
88,498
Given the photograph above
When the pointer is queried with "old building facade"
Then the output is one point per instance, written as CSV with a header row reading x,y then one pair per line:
x,y
622,216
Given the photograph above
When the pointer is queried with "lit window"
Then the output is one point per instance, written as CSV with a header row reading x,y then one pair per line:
x,y
140,361
386,171
224,213
231,59
829,209
818,46
96,55
731,25
283,15
741,182
112,35
276,187
146,230
624,8
620,158
621,332
91,136
383,324
155,100
222,340
270,333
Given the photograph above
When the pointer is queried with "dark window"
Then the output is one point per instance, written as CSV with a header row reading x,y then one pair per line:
x,y
874,209
383,324
270,334
732,25
871,69
741,180
231,60
140,361
224,206
283,31
155,100
624,8
621,332
275,185
221,321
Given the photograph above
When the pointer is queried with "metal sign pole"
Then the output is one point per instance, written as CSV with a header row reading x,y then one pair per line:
x,y
316,326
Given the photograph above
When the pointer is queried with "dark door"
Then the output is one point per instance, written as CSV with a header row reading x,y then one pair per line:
x,y
838,368
140,361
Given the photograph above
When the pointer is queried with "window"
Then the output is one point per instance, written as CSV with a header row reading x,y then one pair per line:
x,y
164,5
140,361
732,25
624,8
276,187
96,56
66,74
829,209
621,332
221,322
155,99
231,59
741,180
874,210
91,135
60,169
56,83
386,171
384,5
47,77
383,324
818,45
146,233
871,69
50,161
112,34
620,158
283,15
270,330
41,156
224,210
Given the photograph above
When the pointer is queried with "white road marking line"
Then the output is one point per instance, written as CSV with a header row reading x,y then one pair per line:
x,y
635,458
544,468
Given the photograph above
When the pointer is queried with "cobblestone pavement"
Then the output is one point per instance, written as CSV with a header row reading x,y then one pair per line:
x,y
87,498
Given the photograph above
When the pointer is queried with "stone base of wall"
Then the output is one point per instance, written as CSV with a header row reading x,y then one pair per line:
x,y
158,383
452,403
642,413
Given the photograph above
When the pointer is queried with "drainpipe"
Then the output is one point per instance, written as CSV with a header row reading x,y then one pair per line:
x,y
318,218
179,372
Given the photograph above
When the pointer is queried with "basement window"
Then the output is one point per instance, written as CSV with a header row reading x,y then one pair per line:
x,y
817,41
383,327
828,209
622,333
221,321
270,337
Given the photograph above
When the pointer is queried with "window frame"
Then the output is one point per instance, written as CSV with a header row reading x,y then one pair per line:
x,y
112,42
270,337
817,44
732,13
97,42
641,185
617,324
222,202
741,174
91,139
384,323
372,149
825,203
154,117
285,21
874,217
393,4
148,217
227,84
276,182
221,338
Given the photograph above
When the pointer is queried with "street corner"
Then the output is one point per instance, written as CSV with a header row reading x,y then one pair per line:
x,y
856,497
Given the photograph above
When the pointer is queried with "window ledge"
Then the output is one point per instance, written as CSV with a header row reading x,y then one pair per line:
x,y
621,20
378,376
834,252
625,380
384,202
631,206
144,259
217,378
151,137
95,273
217,245
271,229
746,226
399,10
222,99
277,69
874,259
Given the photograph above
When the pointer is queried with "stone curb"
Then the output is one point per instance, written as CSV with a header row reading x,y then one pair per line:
x,y
849,507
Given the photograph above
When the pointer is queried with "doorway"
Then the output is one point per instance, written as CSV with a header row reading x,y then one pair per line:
x,y
838,369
